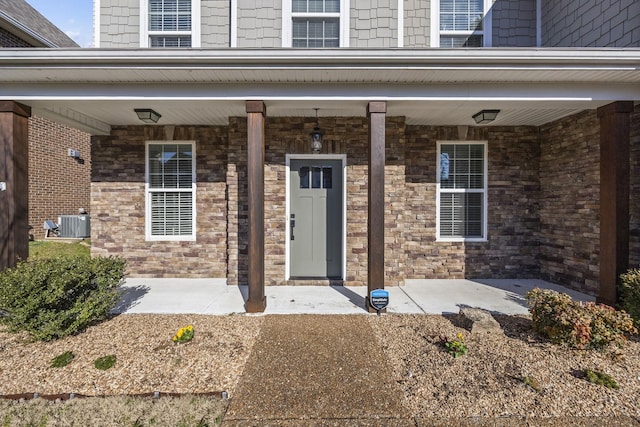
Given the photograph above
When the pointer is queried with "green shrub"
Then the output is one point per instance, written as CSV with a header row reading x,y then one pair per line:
x,y
599,378
630,294
579,325
105,362
53,298
62,360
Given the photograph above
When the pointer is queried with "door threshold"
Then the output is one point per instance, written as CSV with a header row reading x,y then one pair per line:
x,y
314,281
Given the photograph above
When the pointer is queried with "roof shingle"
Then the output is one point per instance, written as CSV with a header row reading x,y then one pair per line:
x,y
19,12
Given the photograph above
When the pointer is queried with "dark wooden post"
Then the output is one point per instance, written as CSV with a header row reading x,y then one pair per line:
x,y
256,112
614,197
376,112
14,182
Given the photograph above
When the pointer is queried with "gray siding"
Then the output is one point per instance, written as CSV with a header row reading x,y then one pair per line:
x,y
374,23
259,25
514,23
417,28
120,23
215,23
591,23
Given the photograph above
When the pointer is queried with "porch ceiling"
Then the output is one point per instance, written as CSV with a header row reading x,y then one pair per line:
x,y
93,89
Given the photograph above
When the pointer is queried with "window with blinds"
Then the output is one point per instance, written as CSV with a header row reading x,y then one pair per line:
x,y
461,23
170,191
315,23
170,23
461,191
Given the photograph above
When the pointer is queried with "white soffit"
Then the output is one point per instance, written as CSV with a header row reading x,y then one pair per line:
x,y
93,89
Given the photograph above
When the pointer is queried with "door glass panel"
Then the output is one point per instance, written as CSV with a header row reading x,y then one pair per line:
x,y
327,177
304,177
315,179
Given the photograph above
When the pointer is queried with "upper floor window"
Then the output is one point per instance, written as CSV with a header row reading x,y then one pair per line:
x,y
461,23
315,23
171,23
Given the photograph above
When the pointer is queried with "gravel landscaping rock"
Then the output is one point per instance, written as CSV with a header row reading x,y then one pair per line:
x,y
489,380
147,359
488,383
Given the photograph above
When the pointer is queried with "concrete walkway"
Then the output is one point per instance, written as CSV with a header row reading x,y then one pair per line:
x,y
214,296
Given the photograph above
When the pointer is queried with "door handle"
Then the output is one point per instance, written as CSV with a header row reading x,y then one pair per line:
x,y
292,224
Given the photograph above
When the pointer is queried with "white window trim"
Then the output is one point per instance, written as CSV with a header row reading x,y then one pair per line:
x,y
400,23
148,191
288,15
484,190
539,23
233,31
287,251
487,33
195,32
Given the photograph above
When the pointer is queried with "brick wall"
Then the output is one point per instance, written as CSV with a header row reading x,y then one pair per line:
x,y
634,194
513,191
8,39
58,184
514,23
608,23
118,203
374,26
570,201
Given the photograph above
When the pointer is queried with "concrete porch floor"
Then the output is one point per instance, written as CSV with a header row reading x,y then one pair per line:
x,y
214,296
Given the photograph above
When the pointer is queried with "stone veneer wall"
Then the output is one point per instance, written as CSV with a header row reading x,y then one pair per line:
x,y
634,194
513,191
543,200
570,201
118,202
342,135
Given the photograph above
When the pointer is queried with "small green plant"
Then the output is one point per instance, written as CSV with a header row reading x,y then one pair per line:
x,y
456,347
54,298
184,334
630,294
579,325
533,383
599,378
105,362
62,360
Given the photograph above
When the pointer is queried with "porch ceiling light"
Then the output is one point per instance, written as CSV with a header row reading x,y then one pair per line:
x,y
147,115
316,136
485,116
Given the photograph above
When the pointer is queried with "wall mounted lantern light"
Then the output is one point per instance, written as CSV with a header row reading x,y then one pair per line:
x,y
485,116
316,136
147,115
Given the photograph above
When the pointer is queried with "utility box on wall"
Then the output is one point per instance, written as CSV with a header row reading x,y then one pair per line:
x,y
74,226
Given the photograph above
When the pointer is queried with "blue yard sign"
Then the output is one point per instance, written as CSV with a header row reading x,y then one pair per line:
x,y
379,299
